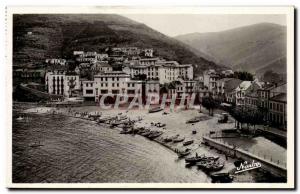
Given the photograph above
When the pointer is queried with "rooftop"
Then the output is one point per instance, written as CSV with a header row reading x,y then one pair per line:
x,y
280,97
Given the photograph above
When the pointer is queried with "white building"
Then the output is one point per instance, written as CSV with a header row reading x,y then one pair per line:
x,y
56,61
165,72
61,83
148,52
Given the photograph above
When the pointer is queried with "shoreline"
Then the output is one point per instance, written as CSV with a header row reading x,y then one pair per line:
x,y
196,147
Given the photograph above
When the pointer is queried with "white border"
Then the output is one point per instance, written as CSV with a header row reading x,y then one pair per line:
x,y
287,10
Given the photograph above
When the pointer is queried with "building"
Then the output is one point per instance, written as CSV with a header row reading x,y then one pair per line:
x,y
164,71
56,61
277,110
210,78
241,92
101,67
61,83
148,52
28,75
152,88
113,83
230,90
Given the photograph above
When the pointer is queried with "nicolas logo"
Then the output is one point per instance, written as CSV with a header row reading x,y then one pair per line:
x,y
245,166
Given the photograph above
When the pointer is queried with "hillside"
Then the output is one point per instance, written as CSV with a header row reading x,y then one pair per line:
x,y
58,35
254,48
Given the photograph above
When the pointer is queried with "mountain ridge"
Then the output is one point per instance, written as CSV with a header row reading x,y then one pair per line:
x,y
58,35
246,48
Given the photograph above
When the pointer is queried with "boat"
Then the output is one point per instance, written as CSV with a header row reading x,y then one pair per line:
x,y
221,177
155,135
194,159
155,109
204,163
186,143
168,139
193,120
183,154
215,166
178,140
202,158
146,134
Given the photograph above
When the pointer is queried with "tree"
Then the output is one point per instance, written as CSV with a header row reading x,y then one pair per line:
x,y
249,116
210,103
243,75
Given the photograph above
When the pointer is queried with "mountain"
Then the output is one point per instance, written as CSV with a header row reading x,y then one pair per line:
x,y
37,37
256,48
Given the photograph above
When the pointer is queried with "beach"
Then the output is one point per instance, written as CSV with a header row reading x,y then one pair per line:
x,y
175,125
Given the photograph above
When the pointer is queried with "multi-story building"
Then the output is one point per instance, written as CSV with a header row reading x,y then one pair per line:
x,y
61,82
165,72
56,61
148,52
230,90
210,78
277,110
101,67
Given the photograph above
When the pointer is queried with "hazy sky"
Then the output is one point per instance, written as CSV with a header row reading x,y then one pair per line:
x,y
174,25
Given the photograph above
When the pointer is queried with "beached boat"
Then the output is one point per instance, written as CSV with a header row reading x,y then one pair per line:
x,y
215,166
186,143
183,154
168,139
193,120
178,139
155,134
194,159
20,118
155,109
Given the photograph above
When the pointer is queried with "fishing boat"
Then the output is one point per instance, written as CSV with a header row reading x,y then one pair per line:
x,y
194,159
168,139
183,154
146,134
186,143
221,177
178,139
215,166
155,135
155,109
193,120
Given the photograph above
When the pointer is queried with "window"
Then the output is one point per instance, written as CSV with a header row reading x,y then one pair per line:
x,y
115,91
117,84
113,84
130,92
104,91
89,91
87,85
271,104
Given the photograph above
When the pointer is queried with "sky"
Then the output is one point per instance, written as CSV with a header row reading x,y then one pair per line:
x,y
173,25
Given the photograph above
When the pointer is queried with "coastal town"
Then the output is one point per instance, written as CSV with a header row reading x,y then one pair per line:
x,y
226,106
136,72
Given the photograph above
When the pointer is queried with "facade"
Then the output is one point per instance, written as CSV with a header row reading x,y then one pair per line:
x,y
148,52
210,78
61,83
164,72
277,110
56,61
